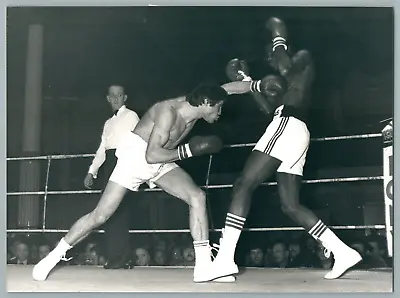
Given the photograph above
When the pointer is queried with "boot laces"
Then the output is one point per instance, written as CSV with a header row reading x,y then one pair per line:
x,y
327,252
65,259
215,246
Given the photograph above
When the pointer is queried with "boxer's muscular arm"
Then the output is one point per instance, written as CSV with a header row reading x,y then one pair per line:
x,y
156,153
264,103
239,87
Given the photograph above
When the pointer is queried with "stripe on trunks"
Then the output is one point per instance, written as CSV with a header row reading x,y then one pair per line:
x,y
276,135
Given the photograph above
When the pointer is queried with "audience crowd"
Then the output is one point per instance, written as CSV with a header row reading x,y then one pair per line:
x,y
296,250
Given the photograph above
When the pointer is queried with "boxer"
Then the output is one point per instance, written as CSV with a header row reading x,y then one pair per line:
x,y
148,155
281,150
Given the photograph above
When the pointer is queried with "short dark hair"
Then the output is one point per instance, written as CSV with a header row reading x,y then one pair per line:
x,y
116,85
209,94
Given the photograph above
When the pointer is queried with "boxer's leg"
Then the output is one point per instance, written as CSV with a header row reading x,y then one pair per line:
x,y
258,168
289,190
178,183
108,203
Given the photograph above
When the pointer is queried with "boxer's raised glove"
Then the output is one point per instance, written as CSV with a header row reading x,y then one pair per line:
x,y
237,70
279,33
198,146
271,85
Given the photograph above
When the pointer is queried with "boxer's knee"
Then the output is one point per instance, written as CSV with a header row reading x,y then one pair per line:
x,y
197,199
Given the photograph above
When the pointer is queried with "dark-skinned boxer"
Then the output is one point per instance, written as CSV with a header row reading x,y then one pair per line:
x,y
282,150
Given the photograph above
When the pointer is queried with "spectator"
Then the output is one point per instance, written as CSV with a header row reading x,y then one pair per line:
x,y
21,249
377,251
255,258
188,256
369,260
177,257
268,258
295,255
160,244
43,250
280,254
142,257
34,253
92,255
160,258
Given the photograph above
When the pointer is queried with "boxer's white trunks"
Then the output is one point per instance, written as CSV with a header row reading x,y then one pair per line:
x,y
132,169
286,139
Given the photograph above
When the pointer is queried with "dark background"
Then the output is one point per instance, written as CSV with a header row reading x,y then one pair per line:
x,y
160,52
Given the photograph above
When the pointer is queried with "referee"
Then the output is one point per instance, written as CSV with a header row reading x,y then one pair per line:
x,y
116,229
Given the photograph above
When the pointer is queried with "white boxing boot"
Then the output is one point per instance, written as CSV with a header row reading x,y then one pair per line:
x,y
345,258
43,268
221,270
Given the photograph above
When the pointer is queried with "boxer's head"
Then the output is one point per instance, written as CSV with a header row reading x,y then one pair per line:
x,y
209,100
116,96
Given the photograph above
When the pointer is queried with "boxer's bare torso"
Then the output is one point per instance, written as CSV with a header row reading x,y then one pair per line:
x,y
299,78
179,125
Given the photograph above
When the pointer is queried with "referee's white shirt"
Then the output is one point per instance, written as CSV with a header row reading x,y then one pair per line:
x,y
123,121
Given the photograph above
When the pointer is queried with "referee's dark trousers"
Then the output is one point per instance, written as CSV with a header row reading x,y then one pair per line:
x,y
117,227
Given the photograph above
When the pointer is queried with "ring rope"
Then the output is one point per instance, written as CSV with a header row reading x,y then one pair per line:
x,y
220,186
376,227
46,192
63,156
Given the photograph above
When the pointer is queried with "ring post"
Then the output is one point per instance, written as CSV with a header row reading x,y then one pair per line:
x,y
387,135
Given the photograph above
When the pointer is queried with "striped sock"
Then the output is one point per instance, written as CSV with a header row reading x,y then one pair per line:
x,y
234,221
328,238
202,252
317,230
233,228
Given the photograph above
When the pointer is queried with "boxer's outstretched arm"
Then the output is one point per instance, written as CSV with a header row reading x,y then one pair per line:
x,y
238,87
156,153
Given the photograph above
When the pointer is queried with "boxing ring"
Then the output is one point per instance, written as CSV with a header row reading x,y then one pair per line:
x,y
179,279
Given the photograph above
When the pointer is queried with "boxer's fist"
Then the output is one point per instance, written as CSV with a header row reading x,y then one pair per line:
x,y
270,85
277,27
237,70
198,146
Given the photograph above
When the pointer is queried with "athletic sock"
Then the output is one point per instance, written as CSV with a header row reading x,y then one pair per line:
x,y
233,228
328,238
202,252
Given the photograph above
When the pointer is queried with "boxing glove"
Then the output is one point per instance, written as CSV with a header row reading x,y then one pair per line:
x,y
270,85
237,70
200,146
